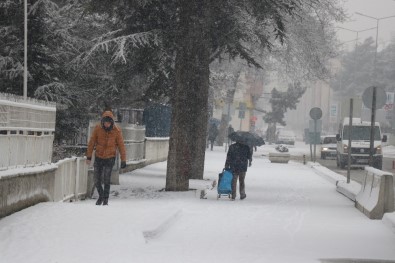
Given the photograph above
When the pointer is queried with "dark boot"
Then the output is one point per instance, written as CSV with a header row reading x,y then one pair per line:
x,y
233,197
105,202
99,201
243,196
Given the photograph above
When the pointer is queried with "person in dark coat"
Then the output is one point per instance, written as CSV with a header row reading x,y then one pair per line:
x,y
212,134
230,130
237,160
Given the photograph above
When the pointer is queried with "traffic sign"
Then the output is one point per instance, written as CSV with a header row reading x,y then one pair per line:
x,y
317,124
381,97
316,113
314,138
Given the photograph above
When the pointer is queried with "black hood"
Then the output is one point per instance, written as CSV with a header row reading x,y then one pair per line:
x,y
107,119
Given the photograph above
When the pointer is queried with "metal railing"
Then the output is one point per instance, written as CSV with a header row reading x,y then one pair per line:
x,y
18,114
71,179
25,150
67,179
27,129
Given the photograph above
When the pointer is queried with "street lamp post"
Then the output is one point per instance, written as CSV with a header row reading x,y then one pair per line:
x,y
357,32
377,33
374,88
25,52
356,42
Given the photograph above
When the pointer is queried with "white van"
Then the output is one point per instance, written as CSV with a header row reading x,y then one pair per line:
x,y
360,143
328,146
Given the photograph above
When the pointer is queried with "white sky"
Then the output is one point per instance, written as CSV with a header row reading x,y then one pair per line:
x,y
291,214
373,8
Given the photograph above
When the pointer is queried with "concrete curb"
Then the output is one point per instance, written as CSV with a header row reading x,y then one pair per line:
x,y
349,190
389,220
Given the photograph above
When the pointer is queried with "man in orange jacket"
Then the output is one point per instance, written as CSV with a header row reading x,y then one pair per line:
x,y
106,138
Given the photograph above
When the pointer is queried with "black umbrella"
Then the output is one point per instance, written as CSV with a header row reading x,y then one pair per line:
x,y
249,138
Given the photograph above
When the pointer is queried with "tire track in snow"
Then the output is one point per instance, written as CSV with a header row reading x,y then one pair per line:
x,y
162,228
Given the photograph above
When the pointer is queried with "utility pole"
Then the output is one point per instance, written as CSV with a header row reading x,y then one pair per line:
x,y
372,125
349,141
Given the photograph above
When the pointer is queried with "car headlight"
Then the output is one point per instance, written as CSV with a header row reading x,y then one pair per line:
x,y
379,150
325,148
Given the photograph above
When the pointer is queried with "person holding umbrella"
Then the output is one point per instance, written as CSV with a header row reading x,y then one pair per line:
x,y
239,157
237,160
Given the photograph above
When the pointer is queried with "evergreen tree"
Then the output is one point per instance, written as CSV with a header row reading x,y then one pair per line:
x,y
356,72
280,103
188,35
11,47
152,50
386,67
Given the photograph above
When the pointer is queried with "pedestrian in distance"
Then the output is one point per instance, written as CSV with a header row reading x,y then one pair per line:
x,y
230,130
212,134
105,139
239,157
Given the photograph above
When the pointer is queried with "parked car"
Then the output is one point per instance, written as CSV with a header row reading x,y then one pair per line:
x,y
286,137
328,146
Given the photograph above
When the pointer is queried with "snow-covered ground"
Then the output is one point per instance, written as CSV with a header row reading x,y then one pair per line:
x,y
290,215
389,151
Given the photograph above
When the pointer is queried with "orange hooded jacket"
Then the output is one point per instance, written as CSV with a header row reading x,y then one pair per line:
x,y
106,142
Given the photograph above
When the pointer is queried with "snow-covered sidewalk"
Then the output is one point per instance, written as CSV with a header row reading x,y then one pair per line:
x,y
291,214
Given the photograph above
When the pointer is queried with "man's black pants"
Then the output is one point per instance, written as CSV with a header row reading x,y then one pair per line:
x,y
102,174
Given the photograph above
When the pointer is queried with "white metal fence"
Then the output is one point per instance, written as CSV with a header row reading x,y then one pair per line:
x,y
24,150
26,115
68,179
71,179
27,130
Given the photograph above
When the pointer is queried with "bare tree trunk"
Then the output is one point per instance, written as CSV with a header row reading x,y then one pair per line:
x,y
189,101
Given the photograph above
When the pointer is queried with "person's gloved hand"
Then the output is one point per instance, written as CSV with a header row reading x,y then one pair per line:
x,y
250,164
123,164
